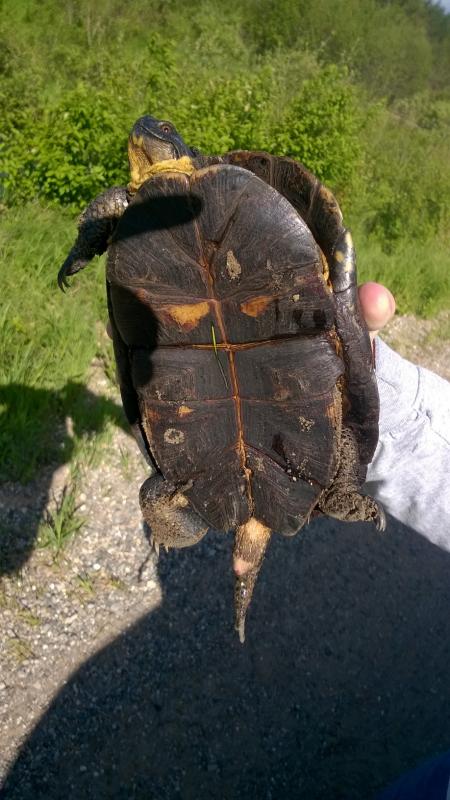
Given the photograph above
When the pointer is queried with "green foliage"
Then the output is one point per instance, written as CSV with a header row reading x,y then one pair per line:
x,y
46,345
72,152
358,90
404,194
64,521
228,115
385,44
418,273
292,77
322,127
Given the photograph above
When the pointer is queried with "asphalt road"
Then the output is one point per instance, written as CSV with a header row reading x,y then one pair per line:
x,y
342,684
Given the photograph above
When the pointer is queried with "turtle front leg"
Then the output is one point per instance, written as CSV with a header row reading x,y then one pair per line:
x,y
342,499
95,226
250,545
166,510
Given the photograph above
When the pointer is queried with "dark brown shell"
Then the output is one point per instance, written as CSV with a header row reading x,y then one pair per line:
x,y
225,338
319,209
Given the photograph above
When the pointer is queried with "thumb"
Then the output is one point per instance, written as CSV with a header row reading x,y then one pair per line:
x,y
377,304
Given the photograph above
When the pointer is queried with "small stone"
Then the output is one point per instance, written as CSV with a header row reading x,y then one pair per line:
x,y
96,566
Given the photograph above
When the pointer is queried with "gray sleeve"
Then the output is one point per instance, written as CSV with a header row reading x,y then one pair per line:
x,y
410,471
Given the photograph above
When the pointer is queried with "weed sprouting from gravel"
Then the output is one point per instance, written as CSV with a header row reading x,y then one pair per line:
x,y
19,649
63,522
85,583
26,615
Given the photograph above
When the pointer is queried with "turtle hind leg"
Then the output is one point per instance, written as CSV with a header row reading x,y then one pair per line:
x,y
350,506
250,545
166,510
342,500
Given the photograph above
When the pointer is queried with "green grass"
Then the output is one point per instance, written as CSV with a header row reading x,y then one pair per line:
x,y
63,522
19,649
28,617
47,341
418,274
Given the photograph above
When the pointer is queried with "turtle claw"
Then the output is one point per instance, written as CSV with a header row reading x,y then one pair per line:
x,y
62,282
71,266
380,520
240,627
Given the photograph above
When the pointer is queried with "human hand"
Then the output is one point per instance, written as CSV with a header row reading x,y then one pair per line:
x,y
377,305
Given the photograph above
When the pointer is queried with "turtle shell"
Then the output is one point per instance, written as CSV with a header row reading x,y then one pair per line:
x,y
230,365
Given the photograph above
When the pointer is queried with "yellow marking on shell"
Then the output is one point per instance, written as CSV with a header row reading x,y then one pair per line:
x,y
187,315
333,413
325,270
256,306
329,198
141,294
339,256
144,171
348,239
184,410
151,414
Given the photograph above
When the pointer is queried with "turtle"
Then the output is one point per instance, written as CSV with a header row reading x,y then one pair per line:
x,y
244,363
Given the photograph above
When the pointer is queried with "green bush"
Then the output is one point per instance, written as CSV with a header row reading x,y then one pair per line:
x,y
75,150
403,192
358,90
46,343
322,127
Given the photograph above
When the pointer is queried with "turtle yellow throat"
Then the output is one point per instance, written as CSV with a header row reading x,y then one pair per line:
x,y
250,545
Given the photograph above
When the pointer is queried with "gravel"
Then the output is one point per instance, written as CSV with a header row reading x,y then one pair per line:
x,y
123,678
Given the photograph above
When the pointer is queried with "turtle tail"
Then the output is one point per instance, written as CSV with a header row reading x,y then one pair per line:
x,y
250,545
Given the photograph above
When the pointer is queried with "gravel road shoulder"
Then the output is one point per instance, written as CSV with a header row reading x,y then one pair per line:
x,y
58,613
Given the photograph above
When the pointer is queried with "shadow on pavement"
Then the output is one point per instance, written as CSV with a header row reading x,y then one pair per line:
x,y
31,415
341,685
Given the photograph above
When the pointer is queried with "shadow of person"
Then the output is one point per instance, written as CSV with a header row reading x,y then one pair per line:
x,y
341,685
34,437
30,434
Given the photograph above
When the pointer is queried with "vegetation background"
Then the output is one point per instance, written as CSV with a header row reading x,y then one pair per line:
x,y
358,90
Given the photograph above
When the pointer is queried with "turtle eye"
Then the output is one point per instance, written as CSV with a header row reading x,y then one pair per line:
x,y
166,128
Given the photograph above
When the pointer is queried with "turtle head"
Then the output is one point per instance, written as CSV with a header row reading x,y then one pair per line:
x,y
153,140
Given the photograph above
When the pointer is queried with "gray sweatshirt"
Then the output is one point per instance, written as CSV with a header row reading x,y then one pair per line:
x,y
410,471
